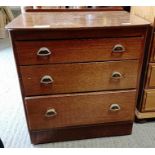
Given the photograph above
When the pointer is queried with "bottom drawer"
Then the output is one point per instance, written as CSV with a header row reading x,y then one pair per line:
x,y
149,100
58,111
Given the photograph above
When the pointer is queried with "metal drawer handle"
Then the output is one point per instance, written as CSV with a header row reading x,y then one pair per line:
x,y
44,51
116,75
118,48
50,112
115,107
46,79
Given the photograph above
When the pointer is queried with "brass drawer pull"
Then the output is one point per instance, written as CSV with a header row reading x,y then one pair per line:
x,y
116,75
50,112
46,79
115,107
43,51
118,48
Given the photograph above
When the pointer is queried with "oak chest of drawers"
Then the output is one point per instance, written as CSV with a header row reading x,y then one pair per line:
x,y
79,72
146,101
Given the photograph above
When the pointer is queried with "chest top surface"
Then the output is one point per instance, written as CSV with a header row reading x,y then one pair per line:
x,y
75,20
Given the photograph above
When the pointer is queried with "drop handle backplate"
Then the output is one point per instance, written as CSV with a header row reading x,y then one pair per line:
x,y
116,75
118,48
51,112
114,107
44,51
46,79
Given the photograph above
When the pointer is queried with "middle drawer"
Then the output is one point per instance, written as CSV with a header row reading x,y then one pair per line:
x,y
151,76
78,77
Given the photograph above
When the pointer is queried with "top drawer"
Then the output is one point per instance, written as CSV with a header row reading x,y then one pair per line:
x,y
153,49
77,50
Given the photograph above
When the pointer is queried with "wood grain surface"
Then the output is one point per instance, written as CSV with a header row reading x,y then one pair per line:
x,y
78,50
149,100
71,20
79,77
153,49
151,76
82,132
79,109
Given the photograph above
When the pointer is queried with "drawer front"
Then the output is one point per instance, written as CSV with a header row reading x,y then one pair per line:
x,y
151,76
83,50
153,49
149,100
79,109
78,77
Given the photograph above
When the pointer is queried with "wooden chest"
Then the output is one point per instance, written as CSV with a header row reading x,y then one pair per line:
x,y
79,72
146,100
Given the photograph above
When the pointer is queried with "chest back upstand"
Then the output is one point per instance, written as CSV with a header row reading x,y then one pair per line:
x,y
78,72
